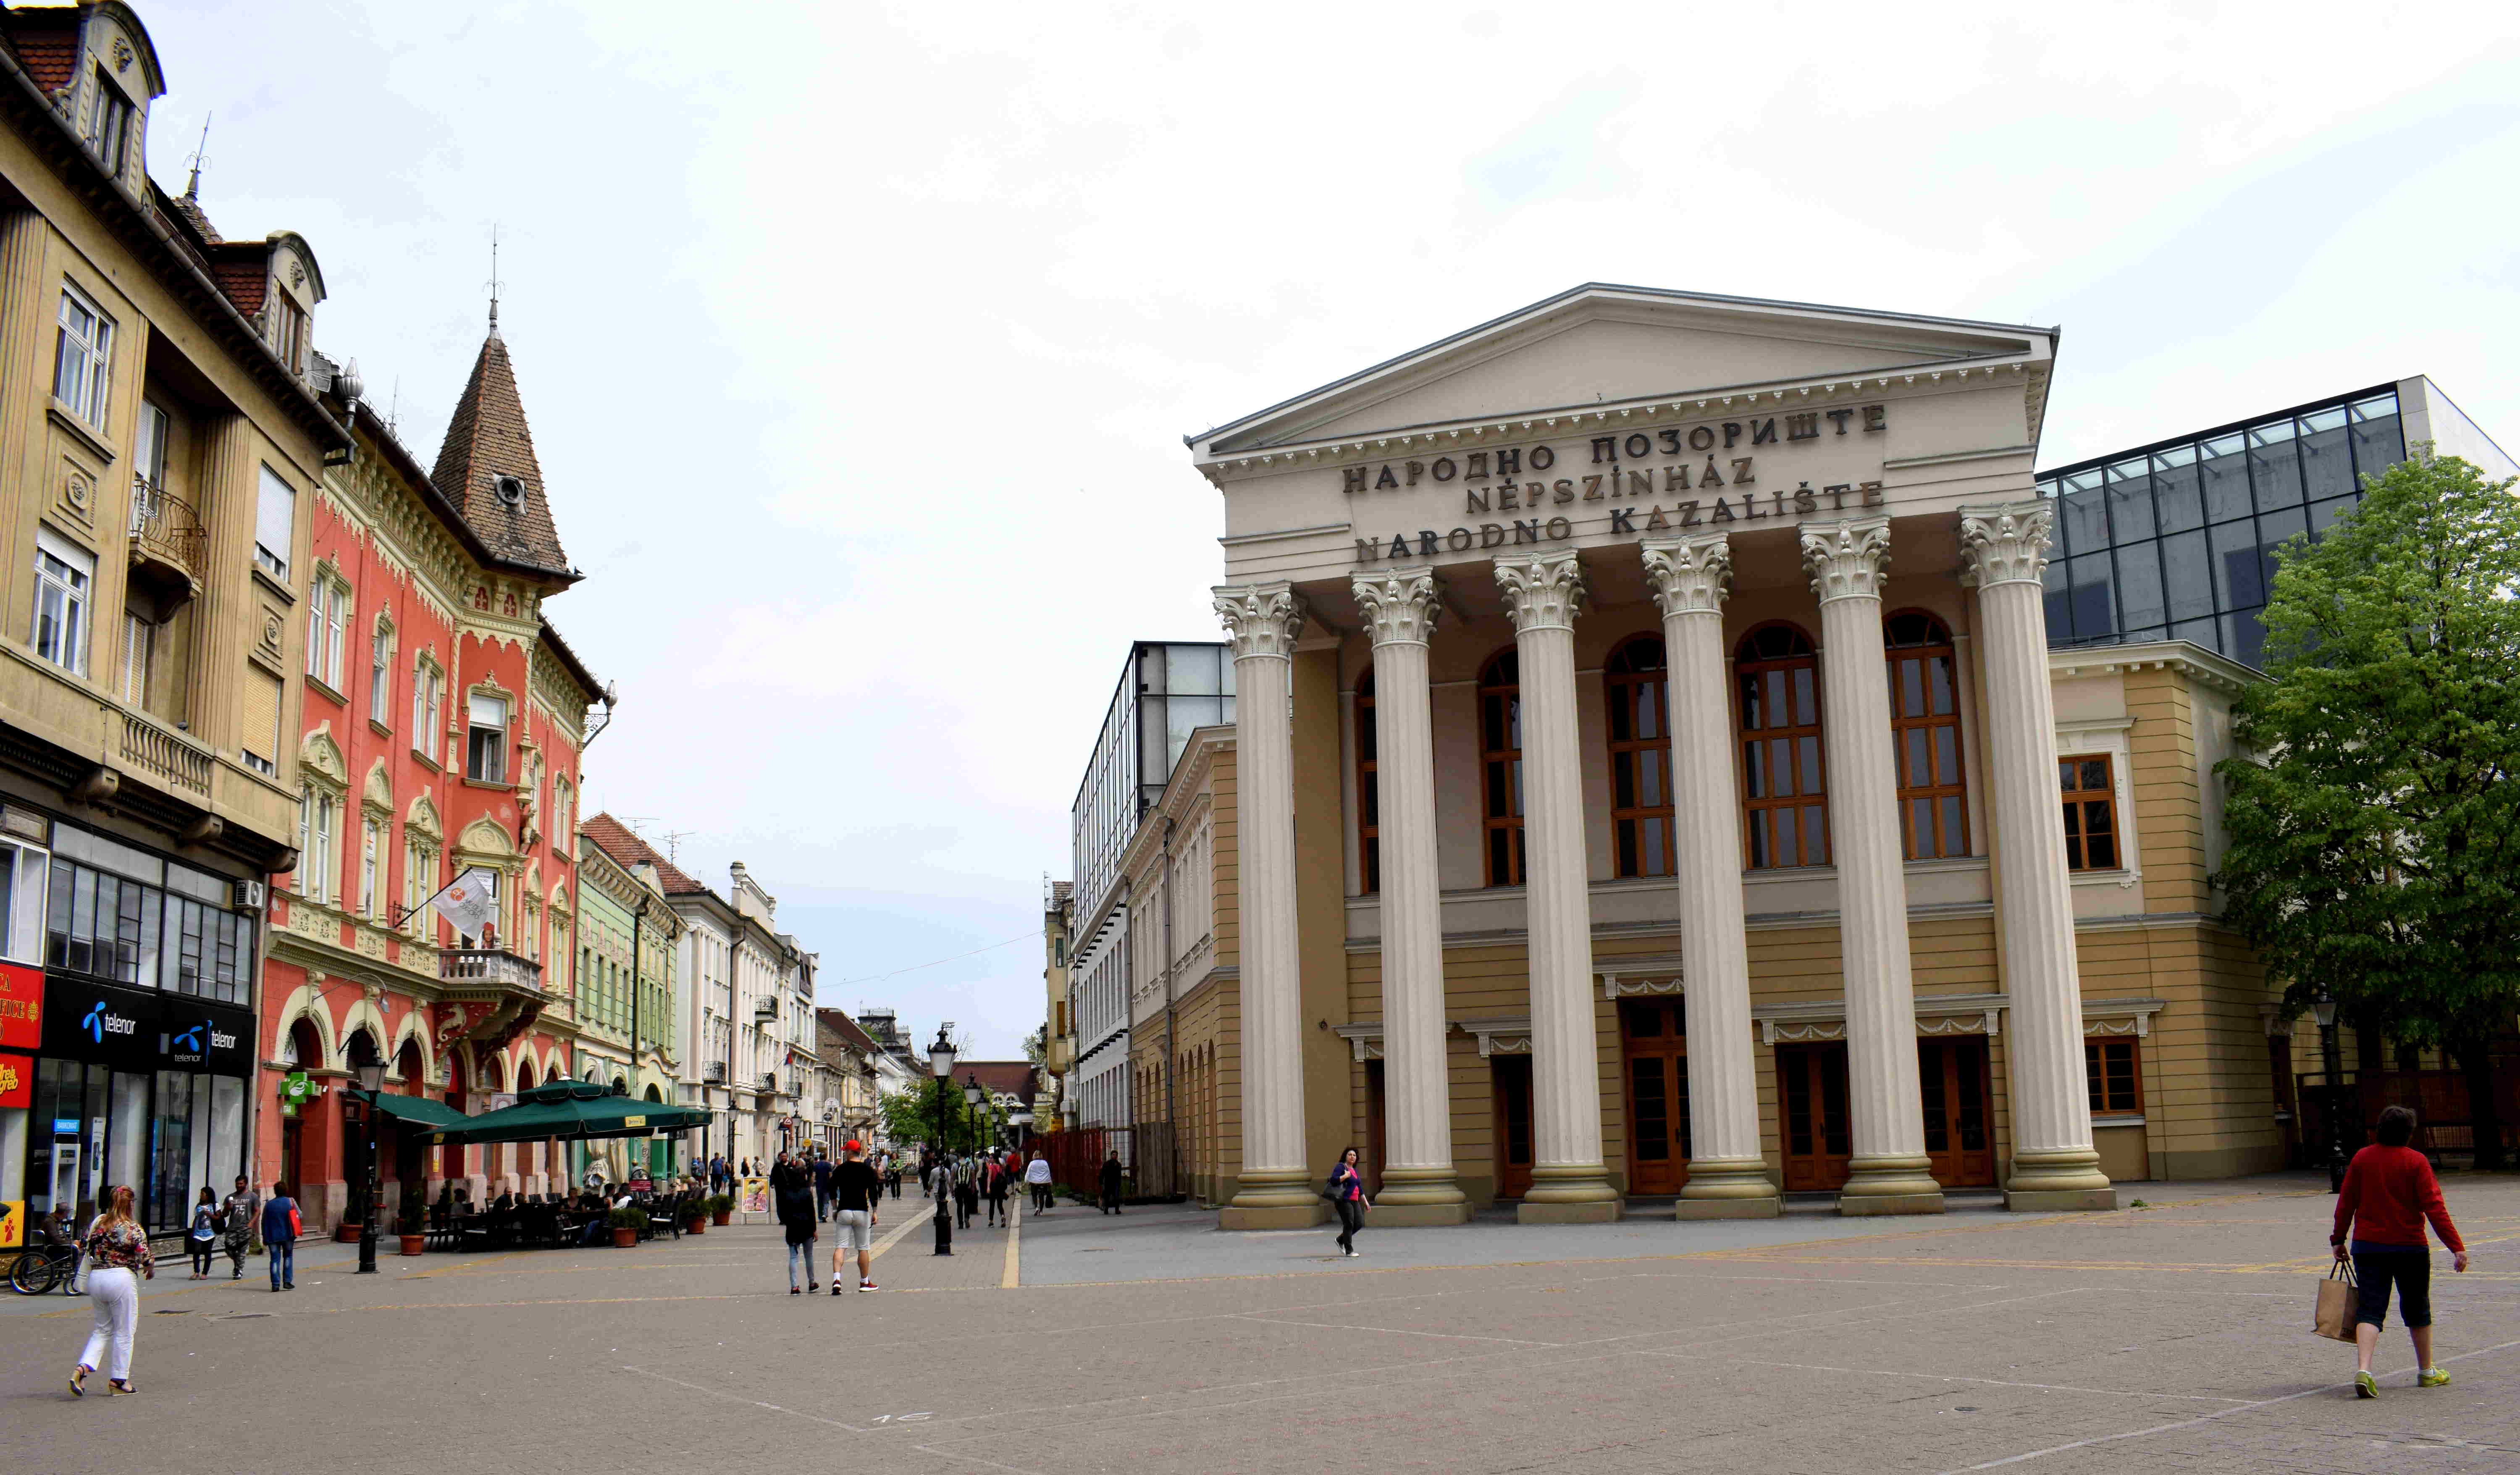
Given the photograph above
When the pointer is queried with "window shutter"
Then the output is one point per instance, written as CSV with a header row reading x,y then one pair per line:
x,y
276,521
259,725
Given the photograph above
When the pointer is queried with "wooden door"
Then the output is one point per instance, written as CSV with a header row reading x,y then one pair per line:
x,y
1374,1139
1951,1070
1512,1075
1811,1087
1653,1039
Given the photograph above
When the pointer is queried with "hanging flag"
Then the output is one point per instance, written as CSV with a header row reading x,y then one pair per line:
x,y
472,904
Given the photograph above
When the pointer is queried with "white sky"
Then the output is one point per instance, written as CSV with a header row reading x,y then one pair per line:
x,y
859,340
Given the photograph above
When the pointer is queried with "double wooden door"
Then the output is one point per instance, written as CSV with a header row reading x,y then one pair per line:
x,y
1951,1072
1511,1077
1653,1039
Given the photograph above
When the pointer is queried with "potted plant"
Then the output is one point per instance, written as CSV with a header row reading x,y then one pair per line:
x,y
721,1207
695,1217
627,1221
412,1223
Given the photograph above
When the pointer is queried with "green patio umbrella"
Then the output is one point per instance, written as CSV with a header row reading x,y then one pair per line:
x,y
569,1109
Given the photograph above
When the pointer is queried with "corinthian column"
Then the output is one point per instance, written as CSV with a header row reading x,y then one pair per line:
x,y
1418,1185
2004,550
1727,1177
1275,1189
1568,1184
1888,1173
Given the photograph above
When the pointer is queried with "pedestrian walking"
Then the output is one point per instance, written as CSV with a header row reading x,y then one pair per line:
x,y
1037,1178
280,1225
1346,1193
792,1194
2388,1194
822,1171
242,1214
1111,1184
855,1190
994,1179
966,1193
118,1259
202,1239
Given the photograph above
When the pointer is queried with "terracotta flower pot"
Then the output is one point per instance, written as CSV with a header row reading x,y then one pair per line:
x,y
722,1217
696,1224
624,1237
413,1245
345,1234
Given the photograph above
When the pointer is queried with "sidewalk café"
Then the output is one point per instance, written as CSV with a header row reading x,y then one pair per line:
x,y
558,1111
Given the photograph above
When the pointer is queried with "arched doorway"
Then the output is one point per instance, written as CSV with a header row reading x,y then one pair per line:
x,y
302,1151
405,1157
660,1150
360,1136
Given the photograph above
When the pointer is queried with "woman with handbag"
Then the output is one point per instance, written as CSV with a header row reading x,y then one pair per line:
x,y
1346,1193
117,1258
2387,1195
202,1240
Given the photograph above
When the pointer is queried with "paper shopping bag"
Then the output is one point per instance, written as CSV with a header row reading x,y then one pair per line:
x,y
2334,1315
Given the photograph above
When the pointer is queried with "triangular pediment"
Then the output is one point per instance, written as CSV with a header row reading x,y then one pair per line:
x,y
1601,344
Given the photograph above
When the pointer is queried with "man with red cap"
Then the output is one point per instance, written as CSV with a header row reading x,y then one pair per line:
x,y
855,1190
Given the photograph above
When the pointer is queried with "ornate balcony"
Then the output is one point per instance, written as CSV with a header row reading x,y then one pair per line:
x,y
488,996
169,546
489,968
175,761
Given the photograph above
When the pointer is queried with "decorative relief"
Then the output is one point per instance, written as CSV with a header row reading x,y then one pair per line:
x,y
1541,590
1615,988
1690,575
78,493
268,647
298,274
1261,619
2005,542
1849,560
1770,1031
1400,608
123,54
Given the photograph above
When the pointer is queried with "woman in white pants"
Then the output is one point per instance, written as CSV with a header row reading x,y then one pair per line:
x,y
118,1259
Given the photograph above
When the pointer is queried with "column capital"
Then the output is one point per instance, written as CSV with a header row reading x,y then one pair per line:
x,y
1541,590
1401,606
1847,560
1690,575
2005,542
1260,619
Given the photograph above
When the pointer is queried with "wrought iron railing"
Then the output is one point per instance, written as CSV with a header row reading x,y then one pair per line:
x,y
166,526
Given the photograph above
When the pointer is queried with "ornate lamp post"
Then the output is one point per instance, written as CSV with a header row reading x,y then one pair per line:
x,y
2332,1062
371,1076
940,1059
972,1095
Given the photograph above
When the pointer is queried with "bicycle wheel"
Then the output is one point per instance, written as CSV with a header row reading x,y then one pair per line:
x,y
34,1273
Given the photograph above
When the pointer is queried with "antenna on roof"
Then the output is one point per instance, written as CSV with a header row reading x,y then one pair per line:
x,y
394,408
494,281
201,159
674,839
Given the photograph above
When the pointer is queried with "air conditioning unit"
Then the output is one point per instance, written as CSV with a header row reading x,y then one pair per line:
x,y
246,896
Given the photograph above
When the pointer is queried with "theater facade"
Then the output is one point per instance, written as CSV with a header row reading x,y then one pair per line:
x,y
1653,781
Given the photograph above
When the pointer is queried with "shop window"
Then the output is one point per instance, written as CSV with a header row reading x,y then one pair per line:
x,y
1925,729
1636,684
1784,788
2116,1082
24,871
485,755
83,357
64,589
1369,793
1501,767
2090,812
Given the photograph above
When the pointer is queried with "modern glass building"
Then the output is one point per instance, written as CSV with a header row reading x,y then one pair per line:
x,y
2176,540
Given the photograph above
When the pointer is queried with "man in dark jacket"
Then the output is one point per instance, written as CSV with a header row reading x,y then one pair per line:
x,y
822,1186
791,1195
281,1238
1111,1184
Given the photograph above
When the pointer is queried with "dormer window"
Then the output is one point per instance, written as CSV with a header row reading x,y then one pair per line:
x,y
288,333
109,125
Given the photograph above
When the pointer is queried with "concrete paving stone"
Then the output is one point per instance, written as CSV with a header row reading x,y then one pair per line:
x,y
2170,1338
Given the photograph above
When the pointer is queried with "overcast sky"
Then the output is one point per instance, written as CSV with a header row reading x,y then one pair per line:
x,y
858,340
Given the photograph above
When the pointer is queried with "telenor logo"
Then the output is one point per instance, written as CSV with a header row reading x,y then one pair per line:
x,y
101,1022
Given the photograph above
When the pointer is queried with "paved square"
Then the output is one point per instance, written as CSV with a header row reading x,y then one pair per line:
x,y
2175,1336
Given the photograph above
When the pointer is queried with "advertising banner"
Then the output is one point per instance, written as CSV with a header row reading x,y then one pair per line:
x,y
21,1006
13,1223
756,1195
17,1082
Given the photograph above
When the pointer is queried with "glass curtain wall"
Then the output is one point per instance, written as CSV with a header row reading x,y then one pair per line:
x,y
2178,541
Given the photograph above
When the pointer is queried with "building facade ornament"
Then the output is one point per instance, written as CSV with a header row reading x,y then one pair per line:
x,y
1260,619
1400,607
1541,590
2005,542
1847,560
1690,575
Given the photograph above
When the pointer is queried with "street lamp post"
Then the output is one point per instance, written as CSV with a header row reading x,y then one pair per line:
x,y
2332,1062
940,1059
371,1078
972,1095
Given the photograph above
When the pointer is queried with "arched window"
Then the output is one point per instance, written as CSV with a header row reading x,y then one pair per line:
x,y
1926,726
1639,757
1501,766
1368,795
1784,789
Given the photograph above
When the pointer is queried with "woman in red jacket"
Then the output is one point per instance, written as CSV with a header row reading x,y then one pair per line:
x,y
2389,1193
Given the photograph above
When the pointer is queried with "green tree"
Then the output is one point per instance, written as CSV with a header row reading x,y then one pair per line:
x,y
910,1115
2373,815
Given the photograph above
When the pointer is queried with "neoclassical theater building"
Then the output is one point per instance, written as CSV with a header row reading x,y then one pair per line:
x,y
1653,780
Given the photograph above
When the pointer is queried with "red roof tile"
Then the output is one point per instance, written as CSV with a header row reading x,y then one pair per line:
x,y
1015,1078
629,852
486,439
840,1024
46,42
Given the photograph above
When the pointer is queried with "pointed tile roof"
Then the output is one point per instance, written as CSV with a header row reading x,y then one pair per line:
x,y
487,440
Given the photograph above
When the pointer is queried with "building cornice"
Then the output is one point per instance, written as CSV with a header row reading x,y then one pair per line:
x,y
2221,673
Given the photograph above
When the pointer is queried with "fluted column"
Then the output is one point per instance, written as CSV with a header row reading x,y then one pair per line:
x,y
1276,1189
1728,1175
1847,561
2004,550
1568,1183
1418,1181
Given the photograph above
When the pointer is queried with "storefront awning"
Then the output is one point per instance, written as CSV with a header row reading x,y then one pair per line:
x,y
569,1109
419,1111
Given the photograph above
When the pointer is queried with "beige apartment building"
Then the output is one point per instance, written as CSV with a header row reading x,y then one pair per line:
x,y
1654,781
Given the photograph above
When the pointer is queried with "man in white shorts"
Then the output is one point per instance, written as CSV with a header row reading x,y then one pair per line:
x,y
855,1191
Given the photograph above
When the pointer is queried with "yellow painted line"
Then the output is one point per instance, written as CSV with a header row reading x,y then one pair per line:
x,y
1008,1277
896,1236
